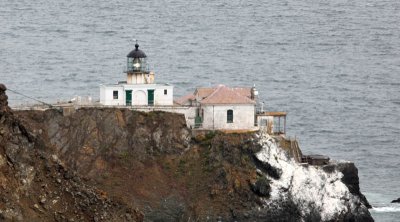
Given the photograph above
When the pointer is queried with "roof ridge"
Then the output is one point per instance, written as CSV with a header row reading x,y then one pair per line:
x,y
217,89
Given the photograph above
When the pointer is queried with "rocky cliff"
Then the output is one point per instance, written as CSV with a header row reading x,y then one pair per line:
x,y
319,193
35,185
152,162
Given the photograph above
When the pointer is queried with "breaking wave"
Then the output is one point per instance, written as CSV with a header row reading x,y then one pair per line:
x,y
386,209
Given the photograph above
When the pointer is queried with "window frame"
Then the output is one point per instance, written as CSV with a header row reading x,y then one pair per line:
x,y
115,96
229,116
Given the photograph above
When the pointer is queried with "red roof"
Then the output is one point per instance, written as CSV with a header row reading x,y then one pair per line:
x,y
243,91
202,93
226,95
184,99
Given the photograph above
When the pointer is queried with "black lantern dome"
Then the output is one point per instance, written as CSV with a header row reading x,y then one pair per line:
x,y
137,60
136,53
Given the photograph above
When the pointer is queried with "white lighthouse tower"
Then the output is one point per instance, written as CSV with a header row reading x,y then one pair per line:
x,y
140,88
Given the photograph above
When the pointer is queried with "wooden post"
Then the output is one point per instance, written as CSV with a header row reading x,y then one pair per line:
x,y
284,124
279,123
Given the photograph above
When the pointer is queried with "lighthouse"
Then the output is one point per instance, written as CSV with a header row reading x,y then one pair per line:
x,y
137,70
140,88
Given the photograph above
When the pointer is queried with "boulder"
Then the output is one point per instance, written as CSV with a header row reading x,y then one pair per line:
x,y
396,200
261,187
2,87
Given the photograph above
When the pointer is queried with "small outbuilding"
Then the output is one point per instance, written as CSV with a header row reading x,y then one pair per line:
x,y
222,108
274,123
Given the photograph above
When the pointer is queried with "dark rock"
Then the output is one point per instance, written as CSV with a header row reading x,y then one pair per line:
x,y
3,101
284,210
351,180
68,175
3,97
329,168
261,187
2,87
396,201
362,216
267,168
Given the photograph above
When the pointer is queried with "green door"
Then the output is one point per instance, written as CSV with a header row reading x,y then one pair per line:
x,y
197,122
150,97
128,97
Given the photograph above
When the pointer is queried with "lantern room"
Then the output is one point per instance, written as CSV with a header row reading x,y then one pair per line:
x,y
137,61
137,69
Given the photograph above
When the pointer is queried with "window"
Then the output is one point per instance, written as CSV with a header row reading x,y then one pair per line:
x,y
165,92
229,116
115,94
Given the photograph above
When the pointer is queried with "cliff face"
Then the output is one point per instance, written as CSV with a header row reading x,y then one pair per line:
x,y
150,161
320,193
35,185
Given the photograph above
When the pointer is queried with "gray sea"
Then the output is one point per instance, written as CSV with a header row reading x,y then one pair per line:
x,y
334,65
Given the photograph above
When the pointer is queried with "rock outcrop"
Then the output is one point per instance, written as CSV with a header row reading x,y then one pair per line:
x,y
396,200
35,185
328,193
128,159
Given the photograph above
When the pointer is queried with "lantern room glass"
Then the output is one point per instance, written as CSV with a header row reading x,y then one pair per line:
x,y
137,65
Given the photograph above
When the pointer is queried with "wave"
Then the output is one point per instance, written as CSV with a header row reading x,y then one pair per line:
x,y
386,209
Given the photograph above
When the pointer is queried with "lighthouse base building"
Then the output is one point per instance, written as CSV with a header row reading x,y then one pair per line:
x,y
140,88
123,94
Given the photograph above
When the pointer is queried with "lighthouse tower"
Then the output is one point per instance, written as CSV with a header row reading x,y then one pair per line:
x,y
137,69
139,89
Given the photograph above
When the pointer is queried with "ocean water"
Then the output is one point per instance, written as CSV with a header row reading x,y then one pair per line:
x,y
334,66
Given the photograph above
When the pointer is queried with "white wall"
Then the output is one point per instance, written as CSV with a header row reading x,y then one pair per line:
x,y
106,95
102,94
164,100
139,97
139,94
215,116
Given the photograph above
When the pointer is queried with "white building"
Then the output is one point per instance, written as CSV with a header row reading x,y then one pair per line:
x,y
139,89
223,108
217,108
